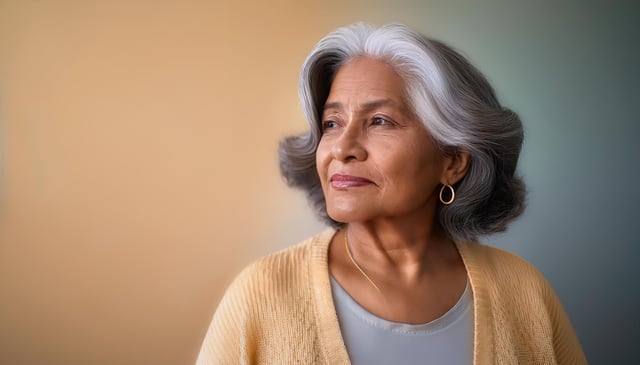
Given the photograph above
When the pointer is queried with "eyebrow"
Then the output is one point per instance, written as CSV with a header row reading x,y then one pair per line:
x,y
366,106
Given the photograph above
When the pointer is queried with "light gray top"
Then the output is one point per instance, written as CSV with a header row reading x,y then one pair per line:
x,y
372,340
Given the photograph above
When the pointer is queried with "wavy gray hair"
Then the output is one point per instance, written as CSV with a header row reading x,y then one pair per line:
x,y
450,96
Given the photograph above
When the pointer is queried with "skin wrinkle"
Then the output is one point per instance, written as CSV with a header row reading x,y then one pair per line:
x,y
453,100
370,133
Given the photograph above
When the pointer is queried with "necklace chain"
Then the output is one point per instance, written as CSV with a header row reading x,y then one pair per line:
x,y
346,246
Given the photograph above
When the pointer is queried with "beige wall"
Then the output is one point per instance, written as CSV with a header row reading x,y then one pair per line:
x,y
139,170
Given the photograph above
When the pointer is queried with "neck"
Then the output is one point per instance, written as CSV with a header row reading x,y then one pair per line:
x,y
409,251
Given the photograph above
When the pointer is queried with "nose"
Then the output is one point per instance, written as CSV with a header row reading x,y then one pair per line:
x,y
348,146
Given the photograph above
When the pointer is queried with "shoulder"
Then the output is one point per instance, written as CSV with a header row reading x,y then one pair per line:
x,y
268,301
516,299
283,271
496,261
270,298
503,270
289,262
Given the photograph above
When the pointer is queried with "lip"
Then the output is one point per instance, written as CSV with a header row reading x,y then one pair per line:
x,y
341,181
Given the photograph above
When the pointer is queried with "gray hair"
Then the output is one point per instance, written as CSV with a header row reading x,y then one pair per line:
x,y
453,100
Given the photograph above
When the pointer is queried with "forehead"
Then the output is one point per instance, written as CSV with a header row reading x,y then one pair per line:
x,y
366,77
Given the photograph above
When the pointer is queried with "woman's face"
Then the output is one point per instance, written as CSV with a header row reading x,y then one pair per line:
x,y
375,158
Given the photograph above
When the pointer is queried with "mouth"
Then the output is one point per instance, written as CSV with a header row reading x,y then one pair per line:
x,y
340,181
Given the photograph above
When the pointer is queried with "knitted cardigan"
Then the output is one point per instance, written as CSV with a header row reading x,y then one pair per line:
x,y
280,310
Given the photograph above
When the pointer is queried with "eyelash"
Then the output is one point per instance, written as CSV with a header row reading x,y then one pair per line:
x,y
375,121
326,123
386,121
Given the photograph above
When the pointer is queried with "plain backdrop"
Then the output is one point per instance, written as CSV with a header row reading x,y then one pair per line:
x,y
138,165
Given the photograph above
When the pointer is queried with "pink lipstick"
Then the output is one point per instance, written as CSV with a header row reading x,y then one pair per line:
x,y
340,181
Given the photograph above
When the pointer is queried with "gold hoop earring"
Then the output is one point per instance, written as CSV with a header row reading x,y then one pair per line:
x,y
453,194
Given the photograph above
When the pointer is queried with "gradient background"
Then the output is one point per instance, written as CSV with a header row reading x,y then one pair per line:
x,y
139,171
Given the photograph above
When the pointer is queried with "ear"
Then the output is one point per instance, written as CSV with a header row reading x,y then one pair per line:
x,y
455,165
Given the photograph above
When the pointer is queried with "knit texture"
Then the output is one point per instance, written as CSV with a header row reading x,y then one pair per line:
x,y
280,310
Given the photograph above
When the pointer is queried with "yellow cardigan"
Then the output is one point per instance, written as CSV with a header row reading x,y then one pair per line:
x,y
279,310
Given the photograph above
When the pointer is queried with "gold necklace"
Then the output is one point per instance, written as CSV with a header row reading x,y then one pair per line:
x,y
346,246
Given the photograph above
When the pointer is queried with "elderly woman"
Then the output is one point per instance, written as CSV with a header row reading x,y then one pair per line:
x,y
409,157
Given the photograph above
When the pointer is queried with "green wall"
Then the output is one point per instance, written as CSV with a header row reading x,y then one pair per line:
x,y
571,71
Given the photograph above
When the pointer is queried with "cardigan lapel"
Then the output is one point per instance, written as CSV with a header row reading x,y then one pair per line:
x,y
483,337
327,326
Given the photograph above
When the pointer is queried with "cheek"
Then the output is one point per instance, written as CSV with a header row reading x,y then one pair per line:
x,y
321,160
322,169
414,170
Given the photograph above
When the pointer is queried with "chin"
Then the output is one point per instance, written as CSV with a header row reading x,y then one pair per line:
x,y
349,215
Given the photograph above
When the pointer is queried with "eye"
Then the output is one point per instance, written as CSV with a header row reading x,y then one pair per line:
x,y
381,121
329,124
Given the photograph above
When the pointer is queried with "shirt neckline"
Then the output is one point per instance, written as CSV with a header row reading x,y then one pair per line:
x,y
452,316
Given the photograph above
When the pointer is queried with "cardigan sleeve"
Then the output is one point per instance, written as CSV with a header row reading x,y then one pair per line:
x,y
228,339
565,342
521,318
267,315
